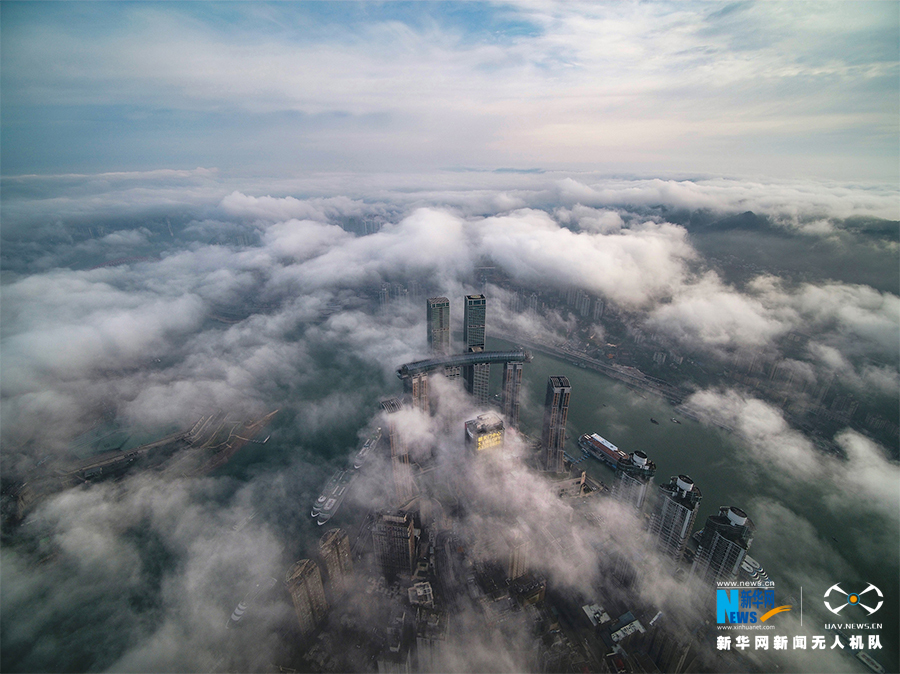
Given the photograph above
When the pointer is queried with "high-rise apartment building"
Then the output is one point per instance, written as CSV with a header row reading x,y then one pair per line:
x,y
384,297
724,543
393,537
404,486
673,516
633,479
556,411
417,387
304,583
438,319
509,399
477,377
473,322
334,549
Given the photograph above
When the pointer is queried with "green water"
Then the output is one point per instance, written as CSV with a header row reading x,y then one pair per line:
x,y
722,466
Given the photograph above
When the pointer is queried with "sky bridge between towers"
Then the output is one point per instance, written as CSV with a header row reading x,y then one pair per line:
x,y
461,360
415,376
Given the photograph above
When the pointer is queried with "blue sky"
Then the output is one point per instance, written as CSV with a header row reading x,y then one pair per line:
x,y
770,89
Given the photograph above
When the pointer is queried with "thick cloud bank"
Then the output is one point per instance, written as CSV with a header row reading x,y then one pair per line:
x,y
137,303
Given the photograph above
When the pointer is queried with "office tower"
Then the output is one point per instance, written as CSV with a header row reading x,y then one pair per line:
x,y
384,297
724,543
674,515
473,322
633,478
556,410
304,583
477,377
404,487
334,549
438,319
485,432
517,562
512,382
393,537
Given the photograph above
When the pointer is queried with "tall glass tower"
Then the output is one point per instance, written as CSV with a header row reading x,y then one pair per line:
x,y
477,377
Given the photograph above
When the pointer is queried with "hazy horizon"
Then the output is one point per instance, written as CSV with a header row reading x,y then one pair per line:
x,y
206,206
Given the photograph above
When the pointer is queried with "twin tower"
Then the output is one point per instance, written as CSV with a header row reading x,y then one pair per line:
x,y
474,364
478,375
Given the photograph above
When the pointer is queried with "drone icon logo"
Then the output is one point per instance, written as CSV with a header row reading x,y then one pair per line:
x,y
853,598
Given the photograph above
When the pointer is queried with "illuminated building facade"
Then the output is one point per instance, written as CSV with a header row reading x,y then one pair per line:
x,y
485,432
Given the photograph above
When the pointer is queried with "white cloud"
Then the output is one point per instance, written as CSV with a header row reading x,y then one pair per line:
x,y
624,85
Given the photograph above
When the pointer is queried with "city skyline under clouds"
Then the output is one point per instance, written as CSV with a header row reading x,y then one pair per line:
x,y
768,89
241,208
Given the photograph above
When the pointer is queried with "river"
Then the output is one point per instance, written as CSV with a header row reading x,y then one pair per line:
x,y
718,462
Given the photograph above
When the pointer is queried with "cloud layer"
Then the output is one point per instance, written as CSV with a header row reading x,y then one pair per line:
x,y
147,300
722,88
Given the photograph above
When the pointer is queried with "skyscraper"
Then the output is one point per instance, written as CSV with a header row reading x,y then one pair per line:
x,y
724,543
674,515
394,541
334,548
477,377
304,583
473,322
512,381
417,387
404,487
633,478
438,318
556,411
